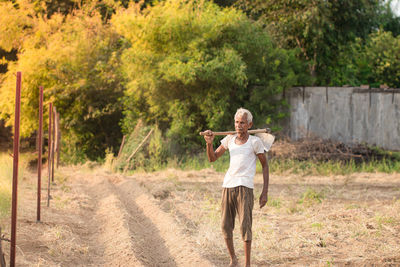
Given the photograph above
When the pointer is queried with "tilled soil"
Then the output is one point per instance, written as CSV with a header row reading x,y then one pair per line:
x,y
99,219
171,218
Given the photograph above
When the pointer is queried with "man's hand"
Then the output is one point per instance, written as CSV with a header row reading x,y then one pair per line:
x,y
263,199
209,137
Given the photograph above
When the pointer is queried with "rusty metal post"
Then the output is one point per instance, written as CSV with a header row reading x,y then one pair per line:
x,y
49,154
15,170
58,140
40,149
53,143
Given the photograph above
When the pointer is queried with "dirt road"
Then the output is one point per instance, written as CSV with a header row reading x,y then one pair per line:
x,y
171,218
99,219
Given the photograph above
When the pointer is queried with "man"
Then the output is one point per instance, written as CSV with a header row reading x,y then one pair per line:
x,y
237,195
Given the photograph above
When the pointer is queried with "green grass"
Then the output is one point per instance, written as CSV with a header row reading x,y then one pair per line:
x,y
381,220
317,226
331,167
6,174
279,166
301,167
310,197
282,166
393,155
200,161
274,202
388,164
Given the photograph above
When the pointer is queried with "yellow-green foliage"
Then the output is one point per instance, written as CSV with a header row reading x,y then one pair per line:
x,y
383,53
6,174
191,64
76,59
15,23
152,155
157,149
109,159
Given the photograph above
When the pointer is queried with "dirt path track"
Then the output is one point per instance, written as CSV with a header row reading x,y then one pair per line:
x,y
107,220
172,218
146,235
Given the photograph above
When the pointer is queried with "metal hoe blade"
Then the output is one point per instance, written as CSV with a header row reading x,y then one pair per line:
x,y
267,139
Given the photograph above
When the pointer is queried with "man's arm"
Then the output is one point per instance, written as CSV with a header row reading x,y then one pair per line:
x,y
211,154
265,172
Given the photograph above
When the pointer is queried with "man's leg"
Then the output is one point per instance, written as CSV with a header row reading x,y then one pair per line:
x,y
228,221
247,252
231,249
245,208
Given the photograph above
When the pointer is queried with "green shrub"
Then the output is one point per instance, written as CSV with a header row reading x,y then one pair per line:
x,y
152,155
6,177
191,64
6,174
76,59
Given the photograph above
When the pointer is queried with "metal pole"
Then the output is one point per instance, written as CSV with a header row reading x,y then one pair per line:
x,y
15,170
53,143
58,140
49,154
40,149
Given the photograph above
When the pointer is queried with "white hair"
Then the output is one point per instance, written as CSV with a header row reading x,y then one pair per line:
x,y
242,111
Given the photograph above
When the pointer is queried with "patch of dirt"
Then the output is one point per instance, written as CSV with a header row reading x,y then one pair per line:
x,y
172,218
98,219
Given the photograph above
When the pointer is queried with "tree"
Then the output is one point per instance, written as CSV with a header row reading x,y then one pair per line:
x,y
389,21
76,59
374,61
383,52
190,65
16,21
5,57
319,28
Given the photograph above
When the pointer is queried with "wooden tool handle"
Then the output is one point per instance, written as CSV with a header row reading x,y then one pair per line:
x,y
233,132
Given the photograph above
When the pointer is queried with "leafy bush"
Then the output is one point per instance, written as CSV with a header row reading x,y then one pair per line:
x,y
76,59
383,52
372,61
190,65
151,155
6,175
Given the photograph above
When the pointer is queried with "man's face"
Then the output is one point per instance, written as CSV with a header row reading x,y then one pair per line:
x,y
241,124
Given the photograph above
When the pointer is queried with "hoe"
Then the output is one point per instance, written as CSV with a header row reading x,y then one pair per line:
x,y
263,134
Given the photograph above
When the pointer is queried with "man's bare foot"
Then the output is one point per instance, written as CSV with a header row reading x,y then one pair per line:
x,y
234,262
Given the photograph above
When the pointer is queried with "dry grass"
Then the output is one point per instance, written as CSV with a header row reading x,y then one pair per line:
x,y
6,174
309,221
351,220
6,177
56,240
62,242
